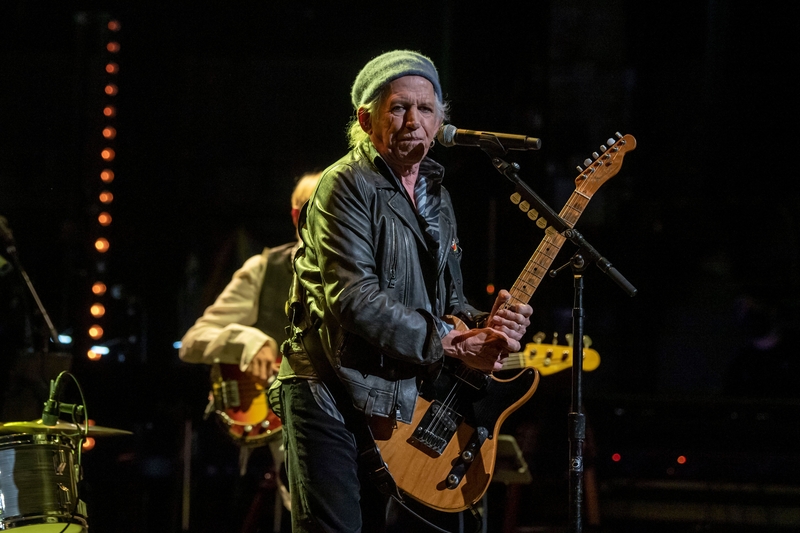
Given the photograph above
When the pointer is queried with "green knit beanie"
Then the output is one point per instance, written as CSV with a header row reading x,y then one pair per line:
x,y
388,67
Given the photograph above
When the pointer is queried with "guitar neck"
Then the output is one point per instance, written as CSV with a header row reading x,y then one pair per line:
x,y
541,260
597,172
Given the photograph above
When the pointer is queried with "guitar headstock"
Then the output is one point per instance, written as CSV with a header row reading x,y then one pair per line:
x,y
602,167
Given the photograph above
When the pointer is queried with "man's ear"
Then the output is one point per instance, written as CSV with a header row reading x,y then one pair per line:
x,y
364,120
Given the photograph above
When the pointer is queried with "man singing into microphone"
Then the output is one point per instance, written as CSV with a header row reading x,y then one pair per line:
x,y
378,268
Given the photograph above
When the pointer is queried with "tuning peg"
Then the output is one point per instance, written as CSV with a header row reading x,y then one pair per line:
x,y
603,147
580,169
619,135
539,337
610,142
595,155
587,341
587,162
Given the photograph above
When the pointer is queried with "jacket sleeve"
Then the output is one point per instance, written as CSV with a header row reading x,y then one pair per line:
x,y
340,226
224,332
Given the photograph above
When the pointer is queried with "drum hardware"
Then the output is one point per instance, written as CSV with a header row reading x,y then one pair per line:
x,y
39,484
40,467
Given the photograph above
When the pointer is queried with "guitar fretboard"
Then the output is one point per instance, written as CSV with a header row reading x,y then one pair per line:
x,y
541,260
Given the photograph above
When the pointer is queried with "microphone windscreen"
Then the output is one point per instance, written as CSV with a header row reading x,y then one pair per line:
x,y
447,135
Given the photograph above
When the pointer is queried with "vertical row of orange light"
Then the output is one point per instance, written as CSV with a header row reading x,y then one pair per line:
x,y
107,175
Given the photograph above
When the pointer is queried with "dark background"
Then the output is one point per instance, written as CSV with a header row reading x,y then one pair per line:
x,y
222,105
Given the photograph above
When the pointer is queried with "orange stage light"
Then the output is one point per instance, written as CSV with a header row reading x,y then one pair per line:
x,y
95,332
101,245
99,288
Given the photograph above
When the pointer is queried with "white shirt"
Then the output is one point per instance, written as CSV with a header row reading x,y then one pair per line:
x,y
225,332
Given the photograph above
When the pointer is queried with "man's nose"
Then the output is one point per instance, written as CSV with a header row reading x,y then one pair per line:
x,y
412,117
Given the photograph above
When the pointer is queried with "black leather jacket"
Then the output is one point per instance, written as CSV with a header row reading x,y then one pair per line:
x,y
374,284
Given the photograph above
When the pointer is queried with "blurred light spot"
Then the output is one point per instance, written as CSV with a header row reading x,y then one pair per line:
x,y
99,288
101,245
107,175
97,310
104,218
95,332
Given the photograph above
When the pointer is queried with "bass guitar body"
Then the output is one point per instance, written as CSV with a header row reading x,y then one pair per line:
x,y
239,404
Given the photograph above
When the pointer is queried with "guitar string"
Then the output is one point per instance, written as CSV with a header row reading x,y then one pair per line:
x,y
447,404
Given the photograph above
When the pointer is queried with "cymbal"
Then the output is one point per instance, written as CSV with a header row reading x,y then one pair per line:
x,y
37,426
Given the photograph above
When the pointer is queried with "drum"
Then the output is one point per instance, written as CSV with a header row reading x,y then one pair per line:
x,y
38,485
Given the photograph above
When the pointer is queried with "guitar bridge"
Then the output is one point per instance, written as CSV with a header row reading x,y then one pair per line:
x,y
436,428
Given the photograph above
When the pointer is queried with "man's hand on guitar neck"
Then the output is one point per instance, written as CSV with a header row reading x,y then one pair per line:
x,y
513,320
265,363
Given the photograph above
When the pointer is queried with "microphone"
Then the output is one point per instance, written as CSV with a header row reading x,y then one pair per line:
x,y
52,409
449,135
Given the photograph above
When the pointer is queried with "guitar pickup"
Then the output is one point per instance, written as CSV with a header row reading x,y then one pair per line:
x,y
436,428
230,394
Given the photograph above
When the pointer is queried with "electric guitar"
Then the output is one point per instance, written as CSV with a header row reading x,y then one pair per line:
x,y
446,457
551,358
239,404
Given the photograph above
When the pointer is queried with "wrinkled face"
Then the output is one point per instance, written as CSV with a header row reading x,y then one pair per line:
x,y
404,126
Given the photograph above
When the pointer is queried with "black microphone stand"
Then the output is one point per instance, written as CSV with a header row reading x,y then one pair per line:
x,y
578,262
11,249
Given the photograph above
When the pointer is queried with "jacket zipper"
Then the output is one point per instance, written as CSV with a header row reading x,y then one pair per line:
x,y
393,255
